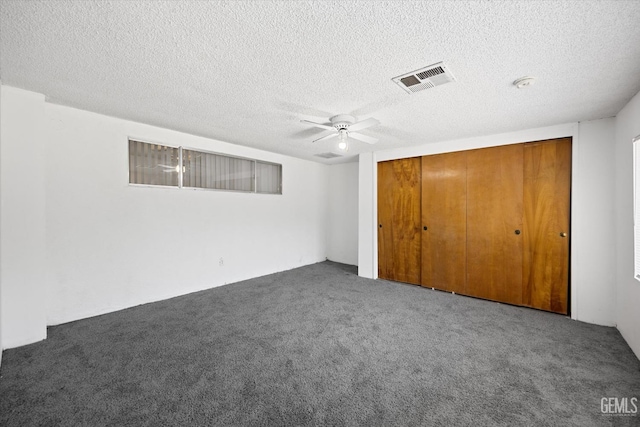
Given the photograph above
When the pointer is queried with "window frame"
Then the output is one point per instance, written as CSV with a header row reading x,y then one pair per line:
x,y
256,176
180,185
218,154
146,141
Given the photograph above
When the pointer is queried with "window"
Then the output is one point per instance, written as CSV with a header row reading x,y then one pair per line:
x,y
636,206
268,178
218,172
155,164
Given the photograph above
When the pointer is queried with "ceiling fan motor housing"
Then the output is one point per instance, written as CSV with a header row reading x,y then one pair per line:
x,y
342,121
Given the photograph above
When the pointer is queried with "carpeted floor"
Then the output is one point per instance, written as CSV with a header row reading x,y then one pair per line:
x,y
319,345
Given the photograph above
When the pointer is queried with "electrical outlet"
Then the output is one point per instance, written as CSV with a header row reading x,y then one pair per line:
x,y
221,262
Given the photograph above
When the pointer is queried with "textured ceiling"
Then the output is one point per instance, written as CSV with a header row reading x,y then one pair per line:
x,y
248,72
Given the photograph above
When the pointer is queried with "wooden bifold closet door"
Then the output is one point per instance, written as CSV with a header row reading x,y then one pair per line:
x,y
494,223
444,221
491,223
399,220
547,194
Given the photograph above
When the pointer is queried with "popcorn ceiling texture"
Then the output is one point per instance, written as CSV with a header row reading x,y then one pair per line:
x,y
248,72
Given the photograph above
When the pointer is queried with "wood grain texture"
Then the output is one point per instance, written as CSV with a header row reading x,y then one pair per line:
x,y
547,188
399,192
494,213
444,213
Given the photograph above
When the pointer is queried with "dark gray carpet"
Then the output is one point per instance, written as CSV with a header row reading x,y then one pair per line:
x,y
319,345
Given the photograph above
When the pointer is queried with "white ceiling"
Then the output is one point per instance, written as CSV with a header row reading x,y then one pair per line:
x,y
248,72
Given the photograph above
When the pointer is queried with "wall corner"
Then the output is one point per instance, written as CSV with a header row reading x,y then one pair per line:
x,y
22,217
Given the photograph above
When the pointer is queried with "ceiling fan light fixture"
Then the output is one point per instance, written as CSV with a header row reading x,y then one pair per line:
x,y
345,127
343,144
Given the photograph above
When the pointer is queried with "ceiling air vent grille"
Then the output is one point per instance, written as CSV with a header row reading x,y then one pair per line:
x,y
328,155
430,73
425,78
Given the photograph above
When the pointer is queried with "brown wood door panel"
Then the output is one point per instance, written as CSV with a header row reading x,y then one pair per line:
x,y
472,203
494,213
399,218
547,192
385,209
444,213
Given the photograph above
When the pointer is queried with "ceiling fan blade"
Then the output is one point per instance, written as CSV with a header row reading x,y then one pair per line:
x,y
363,138
320,125
364,124
333,135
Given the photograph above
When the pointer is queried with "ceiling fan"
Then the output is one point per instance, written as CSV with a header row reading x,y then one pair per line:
x,y
344,127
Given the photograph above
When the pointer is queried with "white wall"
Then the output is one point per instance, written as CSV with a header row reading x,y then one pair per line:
x,y
111,245
593,220
367,215
592,257
22,222
76,240
628,289
342,237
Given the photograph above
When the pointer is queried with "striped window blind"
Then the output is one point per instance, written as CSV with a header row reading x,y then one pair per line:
x,y
636,206
218,172
155,164
268,178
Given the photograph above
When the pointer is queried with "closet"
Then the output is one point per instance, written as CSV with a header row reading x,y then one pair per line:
x,y
491,223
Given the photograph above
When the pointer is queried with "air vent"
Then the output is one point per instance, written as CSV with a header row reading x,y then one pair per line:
x,y
425,78
432,72
328,155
